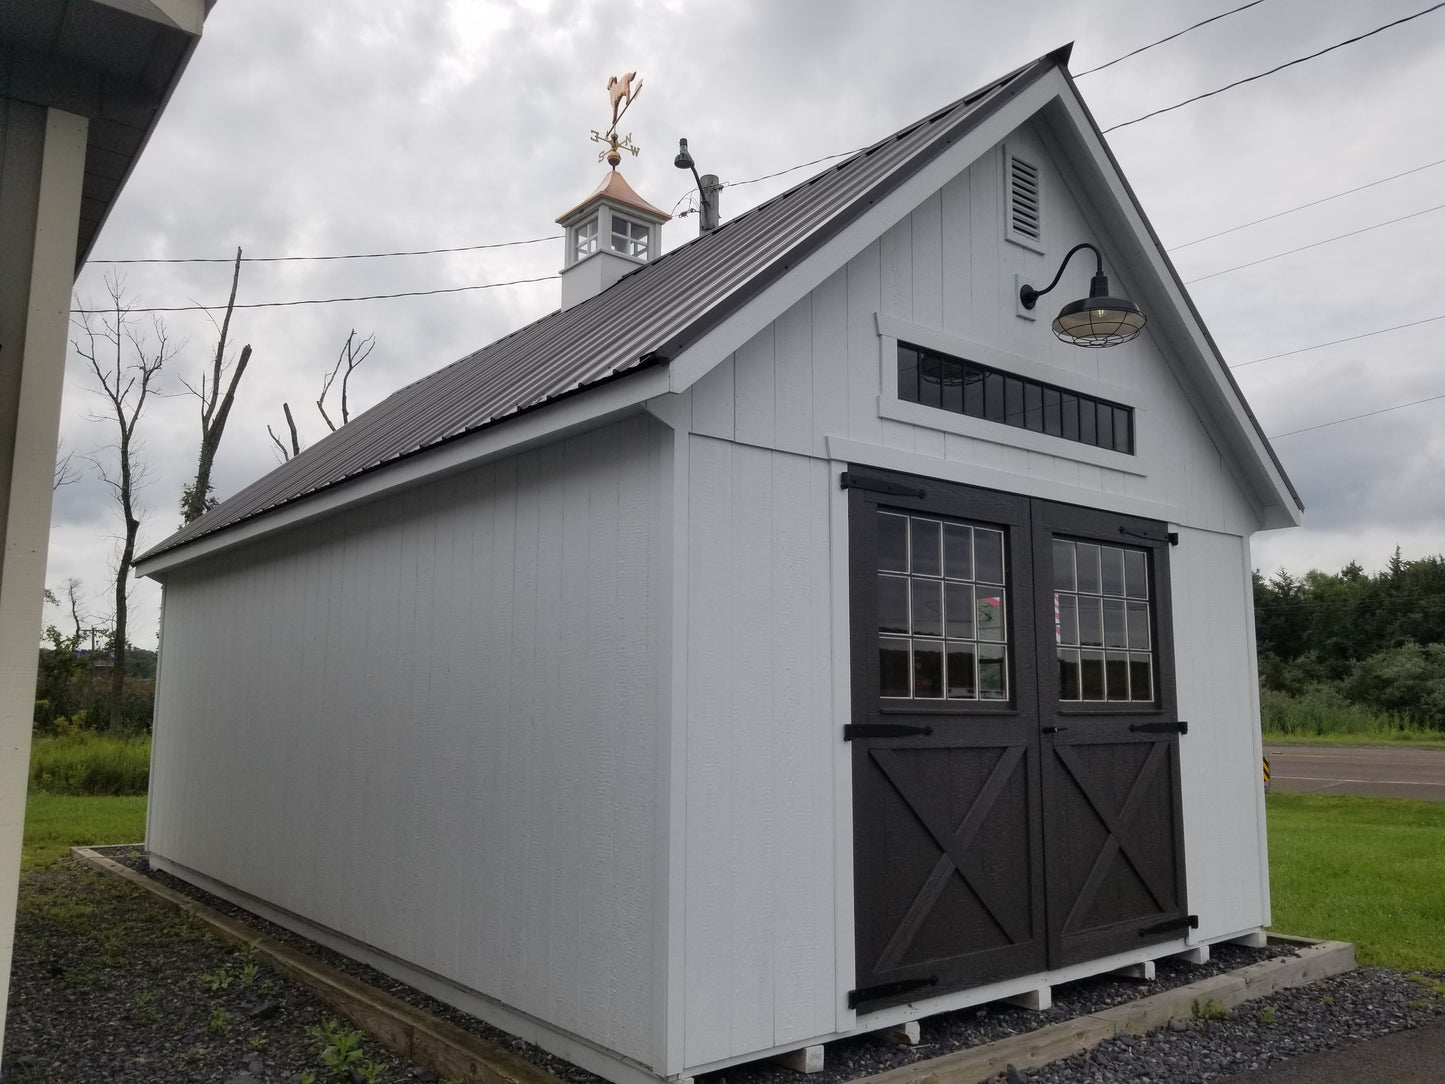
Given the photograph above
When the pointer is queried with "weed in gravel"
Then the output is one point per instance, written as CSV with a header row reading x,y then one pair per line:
x,y
258,1043
1266,1015
220,1021
371,1072
145,1012
217,980
1211,1010
338,1046
194,1053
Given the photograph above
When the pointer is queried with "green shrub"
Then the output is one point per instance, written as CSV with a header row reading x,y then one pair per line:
x,y
1322,710
80,761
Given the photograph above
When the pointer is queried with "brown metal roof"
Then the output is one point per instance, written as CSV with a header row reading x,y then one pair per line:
x,y
643,319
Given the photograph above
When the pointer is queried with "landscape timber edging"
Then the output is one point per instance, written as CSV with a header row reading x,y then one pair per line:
x,y
452,1052
402,1028
1314,960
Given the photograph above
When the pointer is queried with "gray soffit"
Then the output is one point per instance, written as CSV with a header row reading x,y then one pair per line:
x,y
114,62
642,320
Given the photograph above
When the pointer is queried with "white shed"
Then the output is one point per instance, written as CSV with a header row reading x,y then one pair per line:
x,y
789,638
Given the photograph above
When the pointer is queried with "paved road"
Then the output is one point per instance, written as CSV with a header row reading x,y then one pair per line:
x,y
1387,772
1406,1057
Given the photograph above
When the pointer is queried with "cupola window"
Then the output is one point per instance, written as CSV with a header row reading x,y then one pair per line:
x,y
629,238
584,239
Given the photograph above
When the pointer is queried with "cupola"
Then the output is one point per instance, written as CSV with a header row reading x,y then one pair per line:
x,y
614,230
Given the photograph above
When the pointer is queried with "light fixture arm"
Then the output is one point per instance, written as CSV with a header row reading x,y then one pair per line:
x,y
709,211
1028,296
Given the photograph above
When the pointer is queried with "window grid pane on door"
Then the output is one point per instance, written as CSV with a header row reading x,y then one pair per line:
x,y
1102,623
942,610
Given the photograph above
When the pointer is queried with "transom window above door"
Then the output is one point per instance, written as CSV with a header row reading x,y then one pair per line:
x,y
942,610
1102,622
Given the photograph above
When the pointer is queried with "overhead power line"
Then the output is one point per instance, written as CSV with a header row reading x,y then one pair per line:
x,y
1171,37
321,300
1302,206
792,169
351,256
1336,342
1314,244
1357,417
1274,70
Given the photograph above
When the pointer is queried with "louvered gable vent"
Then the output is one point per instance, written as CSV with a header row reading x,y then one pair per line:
x,y
1025,224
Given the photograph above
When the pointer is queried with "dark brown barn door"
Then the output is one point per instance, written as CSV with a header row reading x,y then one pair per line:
x,y
965,760
1114,835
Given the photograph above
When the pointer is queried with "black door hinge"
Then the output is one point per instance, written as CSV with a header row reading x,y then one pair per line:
x,y
1184,922
853,731
888,989
849,480
1180,727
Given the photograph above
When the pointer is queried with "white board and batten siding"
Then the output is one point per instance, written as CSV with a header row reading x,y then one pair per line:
x,y
770,426
432,725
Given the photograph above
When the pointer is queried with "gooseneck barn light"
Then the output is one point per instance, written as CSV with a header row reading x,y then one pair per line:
x,y
1097,320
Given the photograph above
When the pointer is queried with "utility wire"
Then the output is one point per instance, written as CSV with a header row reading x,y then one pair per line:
x,y
322,300
1336,342
790,169
1356,417
352,256
1314,244
1171,37
1302,206
1272,71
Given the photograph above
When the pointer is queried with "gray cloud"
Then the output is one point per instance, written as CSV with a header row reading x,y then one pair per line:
x,y
351,126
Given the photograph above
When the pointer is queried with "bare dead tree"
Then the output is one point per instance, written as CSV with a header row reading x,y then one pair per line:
x,y
295,448
66,471
352,354
124,363
72,596
196,498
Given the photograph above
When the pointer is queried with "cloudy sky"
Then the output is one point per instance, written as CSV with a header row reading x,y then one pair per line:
x,y
356,126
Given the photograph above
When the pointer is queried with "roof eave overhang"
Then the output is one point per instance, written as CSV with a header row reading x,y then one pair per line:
x,y
616,398
46,75
1172,311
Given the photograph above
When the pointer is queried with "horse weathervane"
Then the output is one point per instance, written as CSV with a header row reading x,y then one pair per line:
x,y
623,93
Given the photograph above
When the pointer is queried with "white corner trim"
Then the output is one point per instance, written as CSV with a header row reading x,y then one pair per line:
x,y
548,423
994,358
1028,485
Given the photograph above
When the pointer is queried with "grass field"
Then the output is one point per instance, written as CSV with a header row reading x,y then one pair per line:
x,y
56,822
1365,870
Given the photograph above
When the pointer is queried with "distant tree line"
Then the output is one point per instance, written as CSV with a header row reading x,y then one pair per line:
x,y
1375,640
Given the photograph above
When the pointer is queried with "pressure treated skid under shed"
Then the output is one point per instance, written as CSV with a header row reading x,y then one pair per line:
x,y
530,685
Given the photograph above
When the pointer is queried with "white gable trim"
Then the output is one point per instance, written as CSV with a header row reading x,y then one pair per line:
x,y
1171,314
601,404
1130,245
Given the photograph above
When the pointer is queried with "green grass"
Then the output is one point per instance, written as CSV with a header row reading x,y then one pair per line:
x,y
1416,739
85,762
56,822
1364,870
